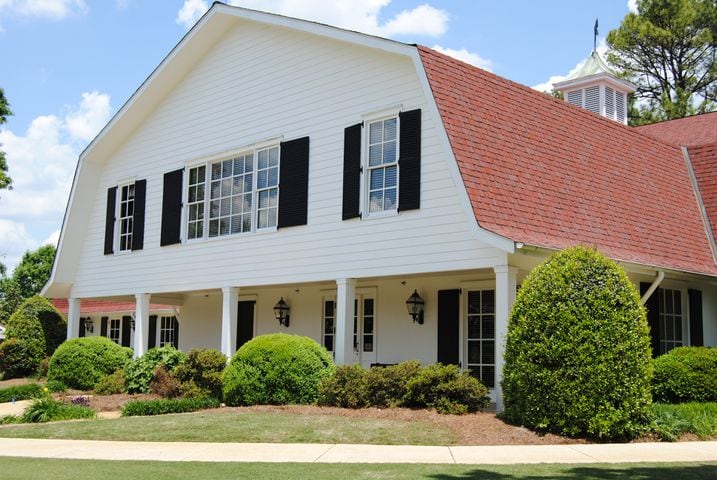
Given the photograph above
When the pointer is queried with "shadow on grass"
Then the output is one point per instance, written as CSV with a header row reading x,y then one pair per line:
x,y
641,472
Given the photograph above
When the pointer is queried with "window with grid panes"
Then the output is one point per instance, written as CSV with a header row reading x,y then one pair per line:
x,y
115,329
243,195
670,318
383,165
329,321
126,217
166,331
480,337
365,316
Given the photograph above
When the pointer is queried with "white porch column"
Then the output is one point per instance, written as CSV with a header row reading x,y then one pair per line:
x,y
141,324
343,337
230,305
73,318
505,286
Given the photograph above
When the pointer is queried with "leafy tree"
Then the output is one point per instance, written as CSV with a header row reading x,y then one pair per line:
x,y
34,270
5,180
667,49
10,299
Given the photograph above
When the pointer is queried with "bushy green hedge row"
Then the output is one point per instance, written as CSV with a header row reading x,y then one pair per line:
x,y
686,374
20,392
49,410
407,384
276,369
82,362
577,358
167,405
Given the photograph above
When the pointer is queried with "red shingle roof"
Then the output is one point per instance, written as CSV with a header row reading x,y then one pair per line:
x,y
704,163
89,307
545,173
688,131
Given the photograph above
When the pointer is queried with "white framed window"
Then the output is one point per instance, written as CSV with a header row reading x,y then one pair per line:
x,y
328,321
115,329
234,195
670,319
480,335
166,330
381,163
125,217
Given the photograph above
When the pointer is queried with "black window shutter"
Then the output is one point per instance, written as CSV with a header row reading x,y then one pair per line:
x,y
352,172
653,317
245,322
409,162
695,300
172,208
126,331
152,337
175,328
294,183
82,327
448,326
103,326
110,220
140,197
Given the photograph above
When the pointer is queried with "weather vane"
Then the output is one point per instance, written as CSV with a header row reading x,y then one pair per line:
x,y
595,35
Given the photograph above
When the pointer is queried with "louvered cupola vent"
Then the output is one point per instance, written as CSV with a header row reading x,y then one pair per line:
x,y
594,87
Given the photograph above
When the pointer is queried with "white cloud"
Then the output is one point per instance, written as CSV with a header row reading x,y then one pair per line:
x,y
84,123
42,163
53,238
547,86
53,9
360,15
190,12
466,56
632,6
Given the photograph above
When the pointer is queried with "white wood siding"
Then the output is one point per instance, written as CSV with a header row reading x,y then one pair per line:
x,y
257,83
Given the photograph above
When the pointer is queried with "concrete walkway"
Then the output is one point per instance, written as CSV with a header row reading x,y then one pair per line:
x,y
339,453
10,408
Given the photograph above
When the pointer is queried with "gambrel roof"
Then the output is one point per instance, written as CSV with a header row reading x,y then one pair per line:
x,y
546,173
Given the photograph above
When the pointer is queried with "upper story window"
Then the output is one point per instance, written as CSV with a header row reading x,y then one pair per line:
x,y
233,196
124,221
126,214
383,165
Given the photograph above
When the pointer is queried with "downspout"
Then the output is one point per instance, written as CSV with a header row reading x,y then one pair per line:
x,y
653,287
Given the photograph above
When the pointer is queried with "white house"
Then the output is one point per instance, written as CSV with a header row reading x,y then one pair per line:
x,y
274,162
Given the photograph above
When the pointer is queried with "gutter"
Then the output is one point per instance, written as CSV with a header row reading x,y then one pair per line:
x,y
653,287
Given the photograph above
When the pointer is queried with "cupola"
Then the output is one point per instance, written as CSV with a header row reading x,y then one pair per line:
x,y
596,88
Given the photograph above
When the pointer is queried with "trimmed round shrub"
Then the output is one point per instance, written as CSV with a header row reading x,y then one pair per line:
x,y
112,384
577,357
17,359
201,374
686,374
447,389
139,372
276,369
82,362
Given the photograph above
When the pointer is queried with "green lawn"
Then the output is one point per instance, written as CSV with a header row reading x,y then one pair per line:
x,y
243,427
42,469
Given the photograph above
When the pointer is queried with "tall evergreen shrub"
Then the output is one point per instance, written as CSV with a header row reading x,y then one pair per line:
x,y
577,358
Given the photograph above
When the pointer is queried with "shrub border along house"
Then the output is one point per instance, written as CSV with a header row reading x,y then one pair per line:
x,y
82,362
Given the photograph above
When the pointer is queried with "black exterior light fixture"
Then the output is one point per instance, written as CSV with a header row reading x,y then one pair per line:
x,y
415,307
281,312
87,323
132,323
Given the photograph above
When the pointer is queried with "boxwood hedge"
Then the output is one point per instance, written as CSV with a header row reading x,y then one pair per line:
x,y
82,362
276,369
686,374
577,358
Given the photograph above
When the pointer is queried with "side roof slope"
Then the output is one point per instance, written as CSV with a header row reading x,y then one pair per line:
x,y
687,132
548,174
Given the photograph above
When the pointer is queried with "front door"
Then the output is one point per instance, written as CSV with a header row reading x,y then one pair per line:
x,y
364,328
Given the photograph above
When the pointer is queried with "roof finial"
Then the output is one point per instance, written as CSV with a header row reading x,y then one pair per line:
x,y
595,35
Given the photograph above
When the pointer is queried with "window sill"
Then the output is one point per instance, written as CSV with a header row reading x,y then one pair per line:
x,y
233,236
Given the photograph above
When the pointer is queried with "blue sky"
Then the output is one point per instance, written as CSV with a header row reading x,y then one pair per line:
x,y
68,65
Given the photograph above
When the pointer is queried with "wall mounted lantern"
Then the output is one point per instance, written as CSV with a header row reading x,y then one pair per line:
x,y
415,307
89,326
131,323
281,312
